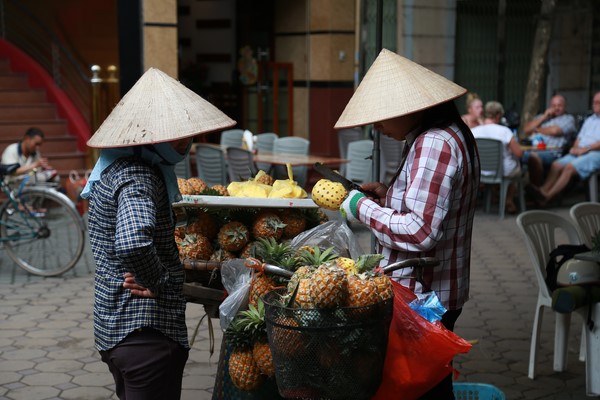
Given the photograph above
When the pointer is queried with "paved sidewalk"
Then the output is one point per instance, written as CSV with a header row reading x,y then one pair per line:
x,y
46,343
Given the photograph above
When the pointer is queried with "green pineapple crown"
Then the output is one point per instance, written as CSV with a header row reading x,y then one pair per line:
x,y
366,263
272,252
315,257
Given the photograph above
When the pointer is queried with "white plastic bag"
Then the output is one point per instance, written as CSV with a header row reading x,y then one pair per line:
x,y
334,234
236,279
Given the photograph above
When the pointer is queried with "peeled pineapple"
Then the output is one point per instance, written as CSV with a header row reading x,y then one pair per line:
x,y
329,194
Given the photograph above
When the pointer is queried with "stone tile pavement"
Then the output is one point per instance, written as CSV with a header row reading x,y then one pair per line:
x,y
46,343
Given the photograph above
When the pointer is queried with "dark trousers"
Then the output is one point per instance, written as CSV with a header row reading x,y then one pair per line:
x,y
147,365
443,390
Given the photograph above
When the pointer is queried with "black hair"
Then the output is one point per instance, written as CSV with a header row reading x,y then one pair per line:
x,y
444,114
33,132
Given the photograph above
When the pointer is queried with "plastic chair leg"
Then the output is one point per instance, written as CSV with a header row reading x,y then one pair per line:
x,y
561,338
593,184
522,206
582,345
535,338
592,364
502,200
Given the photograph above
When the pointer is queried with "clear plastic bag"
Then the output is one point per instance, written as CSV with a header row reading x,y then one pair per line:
x,y
334,234
236,278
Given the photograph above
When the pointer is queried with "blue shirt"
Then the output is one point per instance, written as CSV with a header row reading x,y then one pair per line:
x,y
590,131
131,229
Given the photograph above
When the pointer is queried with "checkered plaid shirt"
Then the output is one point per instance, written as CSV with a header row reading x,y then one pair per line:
x,y
131,230
429,213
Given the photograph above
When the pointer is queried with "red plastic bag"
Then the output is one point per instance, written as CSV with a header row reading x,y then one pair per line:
x,y
418,353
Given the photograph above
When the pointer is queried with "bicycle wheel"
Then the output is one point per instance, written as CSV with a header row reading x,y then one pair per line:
x,y
42,232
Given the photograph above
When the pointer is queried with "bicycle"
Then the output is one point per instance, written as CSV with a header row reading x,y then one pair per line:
x,y
40,227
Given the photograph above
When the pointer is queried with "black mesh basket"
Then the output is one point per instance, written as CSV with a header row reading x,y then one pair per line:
x,y
327,354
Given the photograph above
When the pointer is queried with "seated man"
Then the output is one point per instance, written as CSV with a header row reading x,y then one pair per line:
x,y
582,160
491,129
26,152
556,128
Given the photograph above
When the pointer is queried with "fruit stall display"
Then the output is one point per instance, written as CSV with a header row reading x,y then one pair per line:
x,y
219,223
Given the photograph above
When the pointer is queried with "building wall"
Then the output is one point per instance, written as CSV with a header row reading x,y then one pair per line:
x,y
321,49
426,33
160,35
569,56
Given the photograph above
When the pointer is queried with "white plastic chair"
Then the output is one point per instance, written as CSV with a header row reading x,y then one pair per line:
x,y
264,142
240,164
391,152
232,138
183,169
587,220
345,137
541,229
491,155
291,145
360,167
210,162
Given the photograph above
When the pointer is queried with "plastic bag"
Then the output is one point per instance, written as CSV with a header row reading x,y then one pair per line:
x,y
334,234
428,306
418,353
236,278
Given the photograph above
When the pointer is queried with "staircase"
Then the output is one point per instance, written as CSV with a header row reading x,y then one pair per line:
x,y
22,107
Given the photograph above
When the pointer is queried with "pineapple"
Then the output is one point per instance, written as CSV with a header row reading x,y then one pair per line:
x,y
300,283
361,292
260,285
179,233
244,373
253,321
294,222
267,225
222,190
288,341
197,184
272,252
196,247
249,250
328,194
233,236
264,178
184,187
368,287
222,255
347,264
204,224
329,286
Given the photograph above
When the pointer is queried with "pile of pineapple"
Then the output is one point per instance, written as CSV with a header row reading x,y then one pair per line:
x,y
196,186
321,280
225,234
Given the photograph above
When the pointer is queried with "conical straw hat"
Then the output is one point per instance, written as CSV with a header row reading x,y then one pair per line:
x,y
158,109
395,86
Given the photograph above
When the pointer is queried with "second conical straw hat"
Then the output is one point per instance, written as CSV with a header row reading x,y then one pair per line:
x,y
395,86
158,109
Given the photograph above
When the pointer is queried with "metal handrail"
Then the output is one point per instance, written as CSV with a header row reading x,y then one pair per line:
x,y
22,28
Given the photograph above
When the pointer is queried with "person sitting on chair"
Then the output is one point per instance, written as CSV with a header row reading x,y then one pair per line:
x,y
582,160
27,153
491,129
556,128
474,115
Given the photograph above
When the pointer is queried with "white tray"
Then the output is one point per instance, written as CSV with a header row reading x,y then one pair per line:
x,y
243,202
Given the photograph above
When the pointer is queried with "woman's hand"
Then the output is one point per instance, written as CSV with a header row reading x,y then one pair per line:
x,y
136,290
375,191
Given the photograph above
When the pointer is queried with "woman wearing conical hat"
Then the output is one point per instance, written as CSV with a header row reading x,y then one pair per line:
x,y
428,208
139,307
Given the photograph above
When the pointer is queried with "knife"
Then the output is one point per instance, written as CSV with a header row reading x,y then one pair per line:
x,y
330,174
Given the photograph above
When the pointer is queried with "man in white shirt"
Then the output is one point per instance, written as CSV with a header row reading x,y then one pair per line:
x,y
491,129
27,154
582,160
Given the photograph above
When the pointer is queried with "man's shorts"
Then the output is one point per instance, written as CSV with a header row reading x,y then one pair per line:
x,y
585,164
547,156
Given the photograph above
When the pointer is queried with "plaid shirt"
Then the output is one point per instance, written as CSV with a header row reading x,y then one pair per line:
x,y
131,229
429,213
